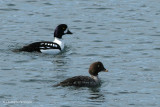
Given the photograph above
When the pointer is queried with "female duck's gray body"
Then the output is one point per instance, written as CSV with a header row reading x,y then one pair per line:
x,y
86,81
48,46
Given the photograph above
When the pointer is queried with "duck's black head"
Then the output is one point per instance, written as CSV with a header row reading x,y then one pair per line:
x,y
96,67
61,30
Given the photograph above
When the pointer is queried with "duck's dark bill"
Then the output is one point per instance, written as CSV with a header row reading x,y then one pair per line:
x,y
68,32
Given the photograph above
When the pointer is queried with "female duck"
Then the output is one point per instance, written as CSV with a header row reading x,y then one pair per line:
x,y
86,81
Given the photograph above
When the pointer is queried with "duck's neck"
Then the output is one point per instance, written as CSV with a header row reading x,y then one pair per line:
x,y
96,78
59,42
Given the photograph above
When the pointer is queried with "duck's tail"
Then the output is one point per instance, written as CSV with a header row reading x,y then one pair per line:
x,y
56,85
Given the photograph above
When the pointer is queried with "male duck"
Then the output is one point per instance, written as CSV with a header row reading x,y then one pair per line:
x,y
49,47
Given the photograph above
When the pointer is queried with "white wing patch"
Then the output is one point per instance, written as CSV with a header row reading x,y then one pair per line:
x,y
48,45
42,43
42,47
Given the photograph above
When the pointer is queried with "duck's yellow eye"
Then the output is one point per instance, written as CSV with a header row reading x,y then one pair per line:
x,y
63,27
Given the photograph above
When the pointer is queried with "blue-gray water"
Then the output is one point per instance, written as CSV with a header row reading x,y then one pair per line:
x,y
124,35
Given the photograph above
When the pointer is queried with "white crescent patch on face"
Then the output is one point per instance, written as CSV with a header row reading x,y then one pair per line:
x,y
66,30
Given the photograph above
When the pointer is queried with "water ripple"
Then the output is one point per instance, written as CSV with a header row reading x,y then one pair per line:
x,y
38,81
156,49
155,35
13,84
77,20
31,1
101,8
5,96
48,4
8,9
11,5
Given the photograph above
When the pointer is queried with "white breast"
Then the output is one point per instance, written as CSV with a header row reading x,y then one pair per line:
x,y
97,80
59,42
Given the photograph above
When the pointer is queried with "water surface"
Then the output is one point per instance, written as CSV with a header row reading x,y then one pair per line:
x,y
124,35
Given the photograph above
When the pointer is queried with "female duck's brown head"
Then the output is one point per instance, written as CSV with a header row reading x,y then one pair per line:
x,y
96,67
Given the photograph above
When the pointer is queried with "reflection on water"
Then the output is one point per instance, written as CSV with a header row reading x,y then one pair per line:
x,y
96,95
